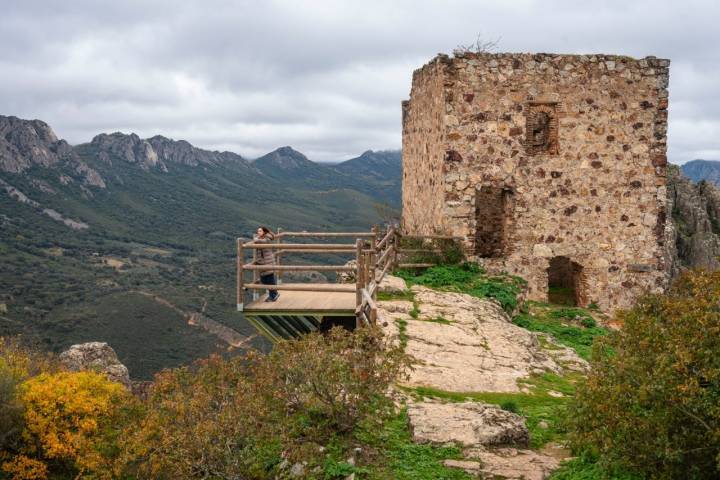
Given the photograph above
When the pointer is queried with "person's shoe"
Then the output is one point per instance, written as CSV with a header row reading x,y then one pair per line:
x,y
272,299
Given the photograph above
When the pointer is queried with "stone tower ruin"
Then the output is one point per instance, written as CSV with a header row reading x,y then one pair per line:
x,y
550,167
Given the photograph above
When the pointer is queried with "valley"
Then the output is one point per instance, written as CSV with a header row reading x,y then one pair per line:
x,y
160,218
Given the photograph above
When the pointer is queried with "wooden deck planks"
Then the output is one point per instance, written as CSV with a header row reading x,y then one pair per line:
x,y
299,301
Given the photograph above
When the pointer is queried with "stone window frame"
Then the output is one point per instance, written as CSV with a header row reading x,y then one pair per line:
x,y
553,109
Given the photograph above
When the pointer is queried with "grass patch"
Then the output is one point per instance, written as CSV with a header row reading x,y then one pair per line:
x,y
544,412
561,295
402,331
441,320
406,295
405,460
415,310
586,467
573,327
471,279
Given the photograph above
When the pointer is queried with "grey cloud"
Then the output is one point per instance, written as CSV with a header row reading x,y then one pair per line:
x,y
324,76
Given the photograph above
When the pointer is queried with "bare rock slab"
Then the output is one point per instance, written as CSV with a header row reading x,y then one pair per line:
x,y
478,349
392,284
98,357
470,424
507,463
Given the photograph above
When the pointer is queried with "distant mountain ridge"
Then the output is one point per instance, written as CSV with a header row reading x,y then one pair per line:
x,y
698,170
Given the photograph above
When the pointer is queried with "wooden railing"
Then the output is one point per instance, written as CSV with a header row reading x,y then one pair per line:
x,y
376,254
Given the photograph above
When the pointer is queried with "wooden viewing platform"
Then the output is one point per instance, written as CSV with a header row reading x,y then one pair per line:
x,y
307,307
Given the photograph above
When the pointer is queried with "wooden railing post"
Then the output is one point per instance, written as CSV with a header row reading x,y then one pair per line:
x,y
255,274
396,242
359,270
240,272
278,256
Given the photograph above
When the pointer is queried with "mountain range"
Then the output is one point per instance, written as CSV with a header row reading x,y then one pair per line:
x,y
698,170
131,240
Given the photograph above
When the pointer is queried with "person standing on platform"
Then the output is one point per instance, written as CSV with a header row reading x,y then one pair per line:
x,y
265,256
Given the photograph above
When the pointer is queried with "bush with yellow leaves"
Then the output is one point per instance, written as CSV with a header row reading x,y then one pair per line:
x,y
55,422
18,362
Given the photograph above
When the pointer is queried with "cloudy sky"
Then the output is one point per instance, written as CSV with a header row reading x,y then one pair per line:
x,y
326,77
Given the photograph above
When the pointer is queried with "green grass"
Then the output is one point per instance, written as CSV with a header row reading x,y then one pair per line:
x,y
471,279
585,467
537,406
415,312
402,459
402,332
571,326
407,295
441,320
561,296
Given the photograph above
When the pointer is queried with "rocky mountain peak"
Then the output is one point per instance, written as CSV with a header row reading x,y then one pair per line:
x,y
129,148
28,143
24,143
286,158
184,153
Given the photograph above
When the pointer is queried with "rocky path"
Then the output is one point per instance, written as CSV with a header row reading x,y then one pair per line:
x,y
463,344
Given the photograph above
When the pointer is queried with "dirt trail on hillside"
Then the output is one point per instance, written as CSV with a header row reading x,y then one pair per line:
x,y
197,319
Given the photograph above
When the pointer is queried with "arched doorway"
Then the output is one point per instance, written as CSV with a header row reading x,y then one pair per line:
x,y
565,282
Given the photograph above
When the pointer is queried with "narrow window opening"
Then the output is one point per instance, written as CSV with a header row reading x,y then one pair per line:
x,y
492,213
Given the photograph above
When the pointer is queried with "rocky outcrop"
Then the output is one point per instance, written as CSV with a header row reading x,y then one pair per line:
x,y
28,143
96,356
128,148
24,143
507,463
695,237
466,423
157,153
181,152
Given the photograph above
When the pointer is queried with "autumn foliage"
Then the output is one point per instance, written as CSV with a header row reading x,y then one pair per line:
x,y
651,405
241,417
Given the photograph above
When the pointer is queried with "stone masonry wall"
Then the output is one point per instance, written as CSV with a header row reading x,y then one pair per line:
x,y
578,141
423,177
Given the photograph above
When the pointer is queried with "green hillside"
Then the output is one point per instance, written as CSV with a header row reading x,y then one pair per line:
x,y
151,234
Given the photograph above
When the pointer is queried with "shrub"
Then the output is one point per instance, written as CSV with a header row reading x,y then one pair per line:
x,y
66,415
510,406
18,362
651,404
239,417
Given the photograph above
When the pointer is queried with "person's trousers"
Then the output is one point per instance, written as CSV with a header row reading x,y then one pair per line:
x,y
269,279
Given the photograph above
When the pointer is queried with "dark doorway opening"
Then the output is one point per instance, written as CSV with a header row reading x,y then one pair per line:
x,y
565,282
492,213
